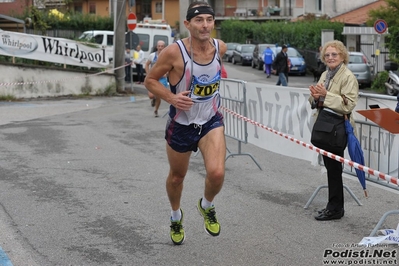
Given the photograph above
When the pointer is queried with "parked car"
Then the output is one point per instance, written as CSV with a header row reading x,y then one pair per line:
x,y
243,54
360,67
257,57
229,52
298,64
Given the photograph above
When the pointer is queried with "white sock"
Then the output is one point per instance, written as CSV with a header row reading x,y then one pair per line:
x,y
205,204
175,215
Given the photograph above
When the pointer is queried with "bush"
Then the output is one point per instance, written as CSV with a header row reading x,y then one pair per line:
x,y
378,84
301,34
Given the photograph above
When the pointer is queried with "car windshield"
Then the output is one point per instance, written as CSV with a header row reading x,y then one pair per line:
x,y
356,59
262,48
231,46
247,49
86,36
291,52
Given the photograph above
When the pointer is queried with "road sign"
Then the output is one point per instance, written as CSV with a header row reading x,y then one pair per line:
x,y
380,26
131,21
132,40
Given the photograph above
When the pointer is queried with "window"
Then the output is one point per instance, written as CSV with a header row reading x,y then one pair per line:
x,y
99,38
78,8
319,5
161,38
110,40
158,7
144,42
92,8
146,8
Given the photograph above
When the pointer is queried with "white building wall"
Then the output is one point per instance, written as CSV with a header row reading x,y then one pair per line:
x,y
333,7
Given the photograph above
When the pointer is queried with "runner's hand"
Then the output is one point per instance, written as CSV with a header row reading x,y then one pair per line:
x,y
182,101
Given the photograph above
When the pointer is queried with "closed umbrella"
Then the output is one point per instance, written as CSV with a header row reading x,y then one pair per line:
x,y
355,152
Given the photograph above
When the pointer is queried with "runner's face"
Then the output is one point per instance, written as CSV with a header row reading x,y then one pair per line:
x,y
201,26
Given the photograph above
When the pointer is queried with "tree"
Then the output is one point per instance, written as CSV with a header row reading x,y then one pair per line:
x,y
389,14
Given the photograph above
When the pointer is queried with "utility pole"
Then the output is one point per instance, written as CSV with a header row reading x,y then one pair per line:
x,y
119,43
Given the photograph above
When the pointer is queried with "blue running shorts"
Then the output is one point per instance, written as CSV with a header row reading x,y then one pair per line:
x,y
182,138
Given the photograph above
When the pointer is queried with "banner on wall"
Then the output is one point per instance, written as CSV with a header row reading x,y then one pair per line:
x,y
287,110
50,49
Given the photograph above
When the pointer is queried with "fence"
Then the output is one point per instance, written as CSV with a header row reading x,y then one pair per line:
x,y
294,103
67,34
233,98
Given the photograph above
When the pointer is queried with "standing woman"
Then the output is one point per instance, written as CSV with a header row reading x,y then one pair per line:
x,y
334,95
139,64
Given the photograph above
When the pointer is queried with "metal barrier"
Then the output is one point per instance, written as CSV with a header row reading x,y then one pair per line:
x,y
233,97
377,143
375,157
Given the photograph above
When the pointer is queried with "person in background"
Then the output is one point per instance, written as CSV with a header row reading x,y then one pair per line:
x,y
128,67
280,66
194,122
139,64
397,105
318,58
268,57
156,101
336,94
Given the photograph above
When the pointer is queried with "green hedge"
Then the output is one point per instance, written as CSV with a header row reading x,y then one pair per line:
x,y
43,20
300,34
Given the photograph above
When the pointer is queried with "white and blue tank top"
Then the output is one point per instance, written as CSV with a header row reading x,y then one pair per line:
x,y
203,83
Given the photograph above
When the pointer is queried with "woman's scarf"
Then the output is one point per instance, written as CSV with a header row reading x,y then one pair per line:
x,y
330,75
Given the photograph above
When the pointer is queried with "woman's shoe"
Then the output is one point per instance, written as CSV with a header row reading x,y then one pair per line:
x,y
328,215
323,210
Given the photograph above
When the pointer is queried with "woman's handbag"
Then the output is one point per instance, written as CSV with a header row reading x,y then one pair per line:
x,y
328,132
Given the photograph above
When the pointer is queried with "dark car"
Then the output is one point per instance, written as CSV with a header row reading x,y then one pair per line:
x,y
360,67
298,64
229,52
243,54
257,57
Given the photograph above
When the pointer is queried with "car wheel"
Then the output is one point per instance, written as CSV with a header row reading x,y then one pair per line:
x,y
260,66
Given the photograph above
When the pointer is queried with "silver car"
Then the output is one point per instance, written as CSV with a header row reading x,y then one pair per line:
x,y
360,67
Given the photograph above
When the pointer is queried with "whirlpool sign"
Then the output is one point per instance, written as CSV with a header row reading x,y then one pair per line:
x,y
55,50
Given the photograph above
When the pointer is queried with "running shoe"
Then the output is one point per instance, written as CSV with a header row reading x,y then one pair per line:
x,y
211,224
177,231
156,113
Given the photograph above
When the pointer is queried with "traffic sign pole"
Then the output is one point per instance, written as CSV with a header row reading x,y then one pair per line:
x,y
380,26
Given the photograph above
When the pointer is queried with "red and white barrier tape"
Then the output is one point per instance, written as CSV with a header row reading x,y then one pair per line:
x,y
388,178
5,84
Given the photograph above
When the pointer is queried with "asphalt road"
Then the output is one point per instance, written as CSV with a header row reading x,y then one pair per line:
x,y
82,182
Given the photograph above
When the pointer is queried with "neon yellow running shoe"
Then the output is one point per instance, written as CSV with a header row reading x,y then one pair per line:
x,y
177,231
211,224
